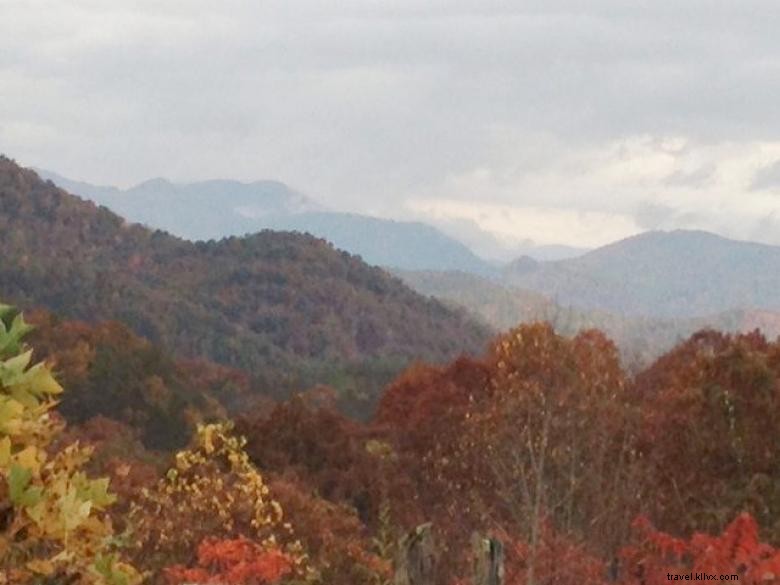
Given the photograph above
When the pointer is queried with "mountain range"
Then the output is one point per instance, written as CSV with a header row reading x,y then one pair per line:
x,y
640,339
660,274
211,210
648,291
288,308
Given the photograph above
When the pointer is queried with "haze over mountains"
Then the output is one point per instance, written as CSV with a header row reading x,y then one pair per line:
x,y
661,274
647,291
215,209
640,339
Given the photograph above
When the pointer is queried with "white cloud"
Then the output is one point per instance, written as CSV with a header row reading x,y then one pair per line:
x,y
591,196
516,225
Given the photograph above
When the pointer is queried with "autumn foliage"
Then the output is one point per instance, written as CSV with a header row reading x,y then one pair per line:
x,y
710,434
586,474
233,562
737,551
221,495
54,524
553,559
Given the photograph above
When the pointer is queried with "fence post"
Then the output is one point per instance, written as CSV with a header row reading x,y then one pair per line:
x,y
416,558
488,560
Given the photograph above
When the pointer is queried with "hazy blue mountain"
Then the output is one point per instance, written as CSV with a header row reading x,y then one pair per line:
x,y
397,244
96,193
215,209
640,339
665,274
553,252
207,210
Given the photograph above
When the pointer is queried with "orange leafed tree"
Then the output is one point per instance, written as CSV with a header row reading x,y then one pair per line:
x,y
554,440
233,562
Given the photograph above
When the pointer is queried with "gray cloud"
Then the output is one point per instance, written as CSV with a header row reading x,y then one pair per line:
x,y
696,178
767,178
651,216
769,224
364,104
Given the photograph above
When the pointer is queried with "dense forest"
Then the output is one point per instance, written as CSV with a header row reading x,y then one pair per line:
x,y
288,308
175,413
585,474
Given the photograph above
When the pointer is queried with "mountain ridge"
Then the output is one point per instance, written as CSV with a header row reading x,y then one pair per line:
x,y
199,211
288,308
640,339
662,274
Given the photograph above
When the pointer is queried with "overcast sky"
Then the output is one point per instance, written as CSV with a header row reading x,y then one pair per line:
x,y
575,122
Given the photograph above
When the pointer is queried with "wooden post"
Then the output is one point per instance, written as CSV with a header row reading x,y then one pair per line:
x,y
416,558
488,560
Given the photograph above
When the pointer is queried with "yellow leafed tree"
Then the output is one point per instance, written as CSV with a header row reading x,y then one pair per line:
x,y
53,525
212,492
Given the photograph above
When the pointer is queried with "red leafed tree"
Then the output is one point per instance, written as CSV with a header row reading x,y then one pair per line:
x,y
737,551
426,401
423,414
537,431
320,447
233,562
337,543
710,436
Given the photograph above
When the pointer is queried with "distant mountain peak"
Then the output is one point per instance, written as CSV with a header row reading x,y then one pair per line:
x,y
679,273
679,241
218,208
523,265
154,183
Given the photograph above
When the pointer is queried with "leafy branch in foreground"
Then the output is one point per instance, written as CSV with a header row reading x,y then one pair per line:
x,y
53,523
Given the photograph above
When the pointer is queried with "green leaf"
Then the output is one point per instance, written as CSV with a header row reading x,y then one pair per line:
x,y
5,311
96,491
20,328
18,479
105,565
31,497
43,382
31,386
73,510
11,338
18,364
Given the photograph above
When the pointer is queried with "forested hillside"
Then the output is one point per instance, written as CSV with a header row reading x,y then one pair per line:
x,y
112,372
405,244
288,308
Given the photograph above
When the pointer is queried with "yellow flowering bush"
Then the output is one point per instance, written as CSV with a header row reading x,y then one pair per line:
x,y
212,492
